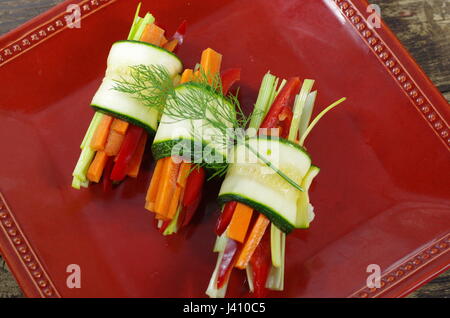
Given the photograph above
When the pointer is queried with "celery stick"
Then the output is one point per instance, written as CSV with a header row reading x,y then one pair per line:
x,y
135,27
87,154
275,91
307,112
76,183
275,279
249,272
220,244
212,290
275,245
148,19
283,261
299,105
303,217
135,22
283,82
277,237
92,127
85,184
263,101
318,117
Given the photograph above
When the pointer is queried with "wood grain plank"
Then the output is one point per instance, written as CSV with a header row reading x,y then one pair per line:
x,y
16,12
437,288
8,285
423,26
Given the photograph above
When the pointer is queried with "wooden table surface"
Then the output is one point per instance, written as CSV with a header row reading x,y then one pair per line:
x,y
423,26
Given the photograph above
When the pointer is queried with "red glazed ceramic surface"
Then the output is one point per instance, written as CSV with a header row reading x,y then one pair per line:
x,y
382,197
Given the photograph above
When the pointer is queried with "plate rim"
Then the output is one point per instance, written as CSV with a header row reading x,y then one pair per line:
x,y
401,66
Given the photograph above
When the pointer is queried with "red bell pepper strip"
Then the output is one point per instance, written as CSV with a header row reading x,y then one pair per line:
x,y
225,217
129,146
194,186
192,195
229,77
107,183
284,99
260,264
228,261
164,226
284,125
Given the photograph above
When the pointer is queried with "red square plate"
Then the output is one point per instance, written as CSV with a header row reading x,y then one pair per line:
x,y
383,196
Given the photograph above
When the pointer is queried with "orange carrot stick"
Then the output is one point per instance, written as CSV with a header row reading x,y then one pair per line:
x,y
171,45
97,165
149,206
157,178
239,223
153,188
163,41
187,76
119,126
252,242
167,186
136,161
182,177
174,202
152,34
113,143
101,133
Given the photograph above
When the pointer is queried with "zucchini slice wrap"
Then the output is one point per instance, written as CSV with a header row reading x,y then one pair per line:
x,y
193,139
305,210
122,56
